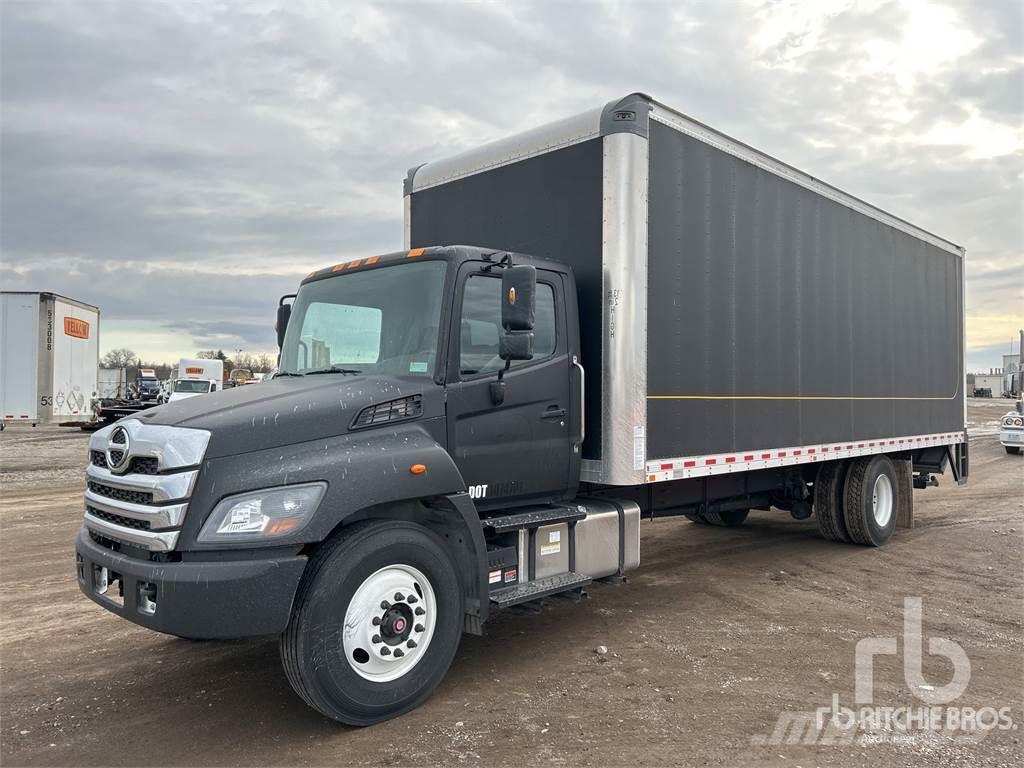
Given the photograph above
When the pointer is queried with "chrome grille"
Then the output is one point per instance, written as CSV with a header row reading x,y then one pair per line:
x,y
144,465
121,494
138,483
140,465
124,522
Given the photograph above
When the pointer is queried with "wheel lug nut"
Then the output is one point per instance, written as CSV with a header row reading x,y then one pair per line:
x,y
376,621
375,639
419,611
411,600
385,651
399,597
411,644
384,605
418,627
399,653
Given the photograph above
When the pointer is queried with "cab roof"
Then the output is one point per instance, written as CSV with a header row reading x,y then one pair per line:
x,y
456,254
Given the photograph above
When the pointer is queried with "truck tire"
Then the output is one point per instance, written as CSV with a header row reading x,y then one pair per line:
x,y
1012,448
729,518
870,500
828,500
376,622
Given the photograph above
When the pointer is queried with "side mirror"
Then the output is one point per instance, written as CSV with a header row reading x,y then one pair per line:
x,y
284,313
518,297
518,308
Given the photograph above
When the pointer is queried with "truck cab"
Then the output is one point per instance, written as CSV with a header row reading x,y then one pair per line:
x,y
186,388
147,385
417,392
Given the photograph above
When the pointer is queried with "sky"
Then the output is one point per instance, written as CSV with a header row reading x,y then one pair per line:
x,y
183,164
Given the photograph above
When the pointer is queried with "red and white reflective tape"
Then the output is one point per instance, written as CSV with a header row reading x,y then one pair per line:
x,y
659,470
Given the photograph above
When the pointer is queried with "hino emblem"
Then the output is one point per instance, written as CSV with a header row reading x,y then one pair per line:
x,y
117,450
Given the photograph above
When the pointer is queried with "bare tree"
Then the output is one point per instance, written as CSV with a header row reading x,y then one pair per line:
x,y
120,358
263,363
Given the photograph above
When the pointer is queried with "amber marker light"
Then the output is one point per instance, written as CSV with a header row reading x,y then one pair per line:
x,y
418,469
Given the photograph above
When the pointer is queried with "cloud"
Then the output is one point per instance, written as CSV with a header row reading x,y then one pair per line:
x,y
183,164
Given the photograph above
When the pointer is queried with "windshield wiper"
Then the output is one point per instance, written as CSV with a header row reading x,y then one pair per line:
x,y
332,369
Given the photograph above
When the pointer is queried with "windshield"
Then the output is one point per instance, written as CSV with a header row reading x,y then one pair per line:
x,y
382,321
192,387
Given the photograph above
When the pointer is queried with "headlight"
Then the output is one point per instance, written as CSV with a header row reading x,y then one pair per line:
x,y
1007,422
260,515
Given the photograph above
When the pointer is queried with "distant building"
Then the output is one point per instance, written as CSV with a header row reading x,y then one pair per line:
x,y
990,381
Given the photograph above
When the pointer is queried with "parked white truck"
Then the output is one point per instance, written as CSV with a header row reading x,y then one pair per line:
x,y
49,358
197,377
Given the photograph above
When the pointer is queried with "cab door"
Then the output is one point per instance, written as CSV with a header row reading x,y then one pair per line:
x,y
518,450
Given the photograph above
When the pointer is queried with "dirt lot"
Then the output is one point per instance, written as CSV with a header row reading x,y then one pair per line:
x,y
716,635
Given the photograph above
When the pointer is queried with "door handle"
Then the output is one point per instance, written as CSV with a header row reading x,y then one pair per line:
x,y
553,413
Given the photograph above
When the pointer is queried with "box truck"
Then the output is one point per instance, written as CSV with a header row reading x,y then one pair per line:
x,y
197,377
49,357
649,319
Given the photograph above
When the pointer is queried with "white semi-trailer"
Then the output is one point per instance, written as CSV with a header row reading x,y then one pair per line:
x,y
49,358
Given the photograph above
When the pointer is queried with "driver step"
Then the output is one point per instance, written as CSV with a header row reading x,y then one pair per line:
x,y
534,518
538,588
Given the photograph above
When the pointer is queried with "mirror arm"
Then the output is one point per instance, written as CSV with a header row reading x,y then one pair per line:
x,y
498,387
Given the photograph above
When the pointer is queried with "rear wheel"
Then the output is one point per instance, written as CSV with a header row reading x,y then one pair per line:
x,y
1012,448
870,500
377,621
828,500
729,518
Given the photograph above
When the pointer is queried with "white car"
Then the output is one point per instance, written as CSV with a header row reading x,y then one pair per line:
x,y
1011,430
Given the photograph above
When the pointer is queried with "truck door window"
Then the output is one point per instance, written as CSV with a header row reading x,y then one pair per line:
x,y
480,325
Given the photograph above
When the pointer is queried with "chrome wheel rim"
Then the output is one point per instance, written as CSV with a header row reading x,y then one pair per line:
x,y
881,500
389,623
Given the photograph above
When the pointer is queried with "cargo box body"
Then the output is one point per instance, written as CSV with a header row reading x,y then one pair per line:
x,y
735,313
49,358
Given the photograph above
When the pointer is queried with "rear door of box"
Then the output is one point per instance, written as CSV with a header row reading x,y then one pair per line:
x,y
75,351
19,318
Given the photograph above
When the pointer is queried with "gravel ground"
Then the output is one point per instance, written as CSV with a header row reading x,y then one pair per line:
x,y
717,635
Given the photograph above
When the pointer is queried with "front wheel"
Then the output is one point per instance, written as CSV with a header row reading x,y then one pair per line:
x,y
376,623
1012,448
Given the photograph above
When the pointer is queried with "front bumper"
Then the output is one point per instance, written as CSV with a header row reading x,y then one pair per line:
x,y
1013,438
211,599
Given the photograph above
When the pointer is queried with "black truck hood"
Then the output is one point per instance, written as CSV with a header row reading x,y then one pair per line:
x,y
288,410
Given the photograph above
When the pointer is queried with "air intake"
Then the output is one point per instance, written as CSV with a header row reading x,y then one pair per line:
x,y
393,410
